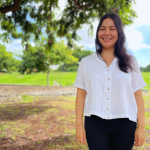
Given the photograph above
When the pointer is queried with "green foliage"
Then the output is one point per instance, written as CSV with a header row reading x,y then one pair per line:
x,y
7,61
77,52
145,69
34,61
39,59
72,18
73,68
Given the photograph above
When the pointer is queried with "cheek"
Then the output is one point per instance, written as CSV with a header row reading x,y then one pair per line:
x,y
114,34
100,34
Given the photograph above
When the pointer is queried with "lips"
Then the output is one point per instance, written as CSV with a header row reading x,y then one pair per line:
x,y
106,39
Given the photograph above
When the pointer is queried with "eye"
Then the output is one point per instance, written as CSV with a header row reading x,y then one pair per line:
x,y
101,29
113,29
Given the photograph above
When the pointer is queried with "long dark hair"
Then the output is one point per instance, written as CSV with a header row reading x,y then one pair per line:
x,y
120,49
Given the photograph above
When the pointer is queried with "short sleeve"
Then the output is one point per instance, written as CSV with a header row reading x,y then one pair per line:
x,y
79,82
137,82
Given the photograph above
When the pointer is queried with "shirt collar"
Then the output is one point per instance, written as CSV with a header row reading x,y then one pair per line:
x,y
100,59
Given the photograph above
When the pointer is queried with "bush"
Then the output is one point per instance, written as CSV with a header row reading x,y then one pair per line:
x,y
73,68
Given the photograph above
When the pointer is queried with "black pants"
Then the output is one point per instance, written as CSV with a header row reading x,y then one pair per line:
x,y
114,134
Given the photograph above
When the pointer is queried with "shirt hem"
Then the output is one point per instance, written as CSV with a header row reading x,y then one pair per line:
x,y
112,116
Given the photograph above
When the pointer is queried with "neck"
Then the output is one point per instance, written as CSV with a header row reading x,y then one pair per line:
x,y
108,52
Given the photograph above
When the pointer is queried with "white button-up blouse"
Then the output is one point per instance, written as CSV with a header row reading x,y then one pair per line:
x,y
109,91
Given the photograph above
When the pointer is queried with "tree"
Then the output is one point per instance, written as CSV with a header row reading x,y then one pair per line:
x,y
78,52
75,14
145,69
39,59
7,61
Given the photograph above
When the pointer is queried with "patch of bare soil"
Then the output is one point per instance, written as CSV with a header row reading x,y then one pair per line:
x,y
38,126
15,90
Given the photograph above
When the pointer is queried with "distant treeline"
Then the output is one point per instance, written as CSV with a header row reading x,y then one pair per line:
x,y
145,69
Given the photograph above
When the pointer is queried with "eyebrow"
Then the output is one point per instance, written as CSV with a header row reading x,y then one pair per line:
x,y
110,26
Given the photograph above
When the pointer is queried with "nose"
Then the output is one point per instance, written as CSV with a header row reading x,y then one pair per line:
x,y
107,32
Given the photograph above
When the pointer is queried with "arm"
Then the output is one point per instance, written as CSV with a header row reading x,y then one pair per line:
x,y
80,101
139,135
140,104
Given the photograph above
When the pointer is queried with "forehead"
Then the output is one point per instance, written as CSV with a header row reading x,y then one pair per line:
x,y
108,22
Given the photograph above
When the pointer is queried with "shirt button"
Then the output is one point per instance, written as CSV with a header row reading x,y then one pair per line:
x,y
108,88
107,98
108,78
107,108
108,69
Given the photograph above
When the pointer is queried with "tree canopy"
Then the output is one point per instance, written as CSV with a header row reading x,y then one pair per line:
x,y
75,14
40,60
7,61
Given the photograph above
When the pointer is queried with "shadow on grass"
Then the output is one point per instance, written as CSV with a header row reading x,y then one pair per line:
x,y
17,111
68,142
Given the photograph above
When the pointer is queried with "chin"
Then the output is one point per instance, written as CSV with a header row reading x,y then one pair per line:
x,y
108,47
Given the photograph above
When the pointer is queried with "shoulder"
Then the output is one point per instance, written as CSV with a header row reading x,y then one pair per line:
x,y
134,63
87,58
133,60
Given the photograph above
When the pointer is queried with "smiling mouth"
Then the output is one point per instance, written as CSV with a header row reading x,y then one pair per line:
x,y
106,40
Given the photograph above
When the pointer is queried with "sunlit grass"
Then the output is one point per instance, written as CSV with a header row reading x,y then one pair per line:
x,y
65,78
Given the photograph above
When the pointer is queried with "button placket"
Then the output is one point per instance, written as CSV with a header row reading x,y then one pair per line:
x,y
109,90
108,81
107,86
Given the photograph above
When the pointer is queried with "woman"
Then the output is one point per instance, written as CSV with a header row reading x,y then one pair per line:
x,y
109,84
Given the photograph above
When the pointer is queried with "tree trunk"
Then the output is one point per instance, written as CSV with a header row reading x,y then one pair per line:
x,y
48,73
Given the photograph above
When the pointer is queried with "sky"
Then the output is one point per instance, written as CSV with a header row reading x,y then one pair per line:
x,y
137,34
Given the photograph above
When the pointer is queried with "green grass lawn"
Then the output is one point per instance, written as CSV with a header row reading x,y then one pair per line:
x,y
146,76
65,78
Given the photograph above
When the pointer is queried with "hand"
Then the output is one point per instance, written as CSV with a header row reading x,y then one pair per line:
x,y
81,134
139,136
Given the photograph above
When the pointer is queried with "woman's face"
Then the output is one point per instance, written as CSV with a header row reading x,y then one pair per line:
x,y
108,34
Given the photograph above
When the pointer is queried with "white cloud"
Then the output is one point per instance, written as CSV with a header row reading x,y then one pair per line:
x,y
135,39
87,40
61,4
142,9
14,47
